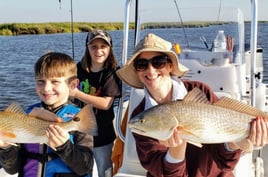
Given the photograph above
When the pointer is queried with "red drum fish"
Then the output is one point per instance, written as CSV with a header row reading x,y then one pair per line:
x,y
18,127
198,121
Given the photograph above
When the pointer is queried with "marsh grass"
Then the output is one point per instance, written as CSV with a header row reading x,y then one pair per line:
x,y
66,27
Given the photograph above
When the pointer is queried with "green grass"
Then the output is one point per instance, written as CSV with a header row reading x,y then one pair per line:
x,y
49,28
66,27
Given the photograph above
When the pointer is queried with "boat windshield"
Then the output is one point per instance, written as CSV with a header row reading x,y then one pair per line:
x,y
193,28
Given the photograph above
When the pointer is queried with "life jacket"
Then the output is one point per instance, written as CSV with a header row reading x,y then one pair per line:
x,y
39,159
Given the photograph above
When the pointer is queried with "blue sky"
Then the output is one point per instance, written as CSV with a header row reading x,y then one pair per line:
x,y
32,11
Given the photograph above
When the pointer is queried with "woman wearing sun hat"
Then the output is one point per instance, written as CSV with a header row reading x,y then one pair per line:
x,y
99,86
156,68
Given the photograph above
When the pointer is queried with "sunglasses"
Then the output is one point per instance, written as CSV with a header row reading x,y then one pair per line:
x,y
158,62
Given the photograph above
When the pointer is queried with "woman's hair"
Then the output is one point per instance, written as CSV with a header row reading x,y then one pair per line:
x,y
54,64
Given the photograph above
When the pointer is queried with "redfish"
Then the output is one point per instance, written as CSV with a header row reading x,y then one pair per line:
x,y
18,127
199,121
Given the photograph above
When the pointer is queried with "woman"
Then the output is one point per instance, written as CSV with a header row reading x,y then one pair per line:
x,y
99,86
154,67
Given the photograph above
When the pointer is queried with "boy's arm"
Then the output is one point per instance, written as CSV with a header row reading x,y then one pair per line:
x,y
78,156
10,158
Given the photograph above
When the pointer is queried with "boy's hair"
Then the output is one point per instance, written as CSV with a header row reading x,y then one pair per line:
x,y
55,64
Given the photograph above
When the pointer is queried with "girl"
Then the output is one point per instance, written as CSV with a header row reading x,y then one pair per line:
x,y
99,86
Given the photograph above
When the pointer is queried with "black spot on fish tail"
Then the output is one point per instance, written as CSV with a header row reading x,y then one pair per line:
x,y
76,119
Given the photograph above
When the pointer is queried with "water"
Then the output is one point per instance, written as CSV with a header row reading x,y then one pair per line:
x,y
19,53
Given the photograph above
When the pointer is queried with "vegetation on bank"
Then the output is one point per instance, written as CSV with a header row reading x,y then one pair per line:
x,y
64,27
50,28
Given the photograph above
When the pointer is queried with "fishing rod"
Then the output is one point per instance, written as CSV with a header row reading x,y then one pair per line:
x,y
219,12
72,27
185,35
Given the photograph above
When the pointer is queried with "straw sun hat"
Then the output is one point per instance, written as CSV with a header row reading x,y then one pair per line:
x,y
150,43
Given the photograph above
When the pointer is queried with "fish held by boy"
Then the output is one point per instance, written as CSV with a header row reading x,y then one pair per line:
x,y
18,127
199,121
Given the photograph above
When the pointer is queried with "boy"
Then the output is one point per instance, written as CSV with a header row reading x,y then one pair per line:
x,y
66,154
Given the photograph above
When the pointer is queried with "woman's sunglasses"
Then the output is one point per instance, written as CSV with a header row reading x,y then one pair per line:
x,y
158,62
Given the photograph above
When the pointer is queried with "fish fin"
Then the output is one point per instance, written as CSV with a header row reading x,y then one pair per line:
x,y
240,106
7,134
185,131
88,121
44,114
15,108
197,96
245,145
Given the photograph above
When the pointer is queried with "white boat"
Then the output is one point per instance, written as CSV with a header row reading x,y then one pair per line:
x,y
235,73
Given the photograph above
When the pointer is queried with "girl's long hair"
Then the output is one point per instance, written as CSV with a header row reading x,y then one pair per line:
x,y
110,62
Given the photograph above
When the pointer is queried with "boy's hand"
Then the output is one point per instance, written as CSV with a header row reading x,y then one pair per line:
x,y
56,136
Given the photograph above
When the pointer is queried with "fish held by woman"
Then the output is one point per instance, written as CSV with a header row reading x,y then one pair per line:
x,y
18,127
199,121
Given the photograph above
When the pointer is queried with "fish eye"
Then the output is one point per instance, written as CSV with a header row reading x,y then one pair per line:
x,y
142,121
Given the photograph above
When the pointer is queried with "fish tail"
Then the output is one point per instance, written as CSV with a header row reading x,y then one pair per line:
x,y
88,121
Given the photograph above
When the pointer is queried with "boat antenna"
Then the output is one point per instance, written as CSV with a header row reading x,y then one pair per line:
x,y
185,35
219,12
136,21
72,25
60,4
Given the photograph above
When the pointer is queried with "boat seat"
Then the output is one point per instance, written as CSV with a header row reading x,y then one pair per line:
x,y
131,166
228,80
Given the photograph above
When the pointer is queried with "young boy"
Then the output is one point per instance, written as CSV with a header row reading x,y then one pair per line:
x,y
66,154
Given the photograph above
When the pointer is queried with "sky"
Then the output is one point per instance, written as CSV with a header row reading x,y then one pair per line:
x,y
35,11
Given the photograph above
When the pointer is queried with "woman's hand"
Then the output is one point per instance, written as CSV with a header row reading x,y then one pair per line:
x,y
174,140
177,146
56,136
259,132
258,136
